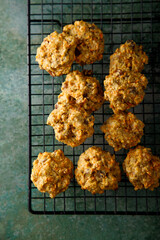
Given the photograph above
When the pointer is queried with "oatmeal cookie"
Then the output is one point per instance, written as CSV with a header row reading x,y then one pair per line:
x,y
72,126
86,90
52,172
56,53
66,99
123,130
128,57
124,89
90,40
97,171
142,168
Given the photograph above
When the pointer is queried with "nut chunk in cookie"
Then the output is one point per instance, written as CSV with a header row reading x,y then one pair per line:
x,y
86,90
52,172
90,41
123,130
56,53
142,168
128,57
97,171
124,89
72,126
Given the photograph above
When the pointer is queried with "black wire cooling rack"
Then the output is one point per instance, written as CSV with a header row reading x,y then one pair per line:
x,y
119,21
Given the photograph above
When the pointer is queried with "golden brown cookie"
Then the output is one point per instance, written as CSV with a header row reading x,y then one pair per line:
x,y
52,172
123,130
97,171
56,53
124,89
142,168
128,57
72,126
90,40
66,99
86,90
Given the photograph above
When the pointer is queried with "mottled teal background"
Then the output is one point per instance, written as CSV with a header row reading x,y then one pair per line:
x,y
15,220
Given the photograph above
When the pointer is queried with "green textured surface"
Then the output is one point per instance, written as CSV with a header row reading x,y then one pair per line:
x,y
15,220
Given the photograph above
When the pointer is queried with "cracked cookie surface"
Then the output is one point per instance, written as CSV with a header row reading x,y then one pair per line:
x,y
72,126
128,57
56,53
142,168
124,89
123,130
52,172
90,41
97,171
86,90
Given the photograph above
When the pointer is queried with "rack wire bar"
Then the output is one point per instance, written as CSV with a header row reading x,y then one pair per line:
x,y
119,21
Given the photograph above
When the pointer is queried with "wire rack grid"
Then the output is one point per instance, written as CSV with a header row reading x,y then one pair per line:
x,y
119,21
